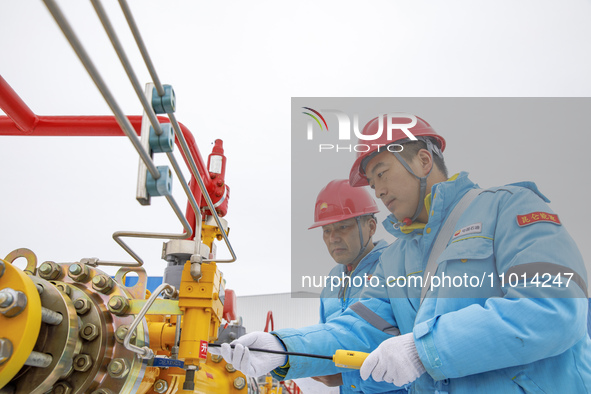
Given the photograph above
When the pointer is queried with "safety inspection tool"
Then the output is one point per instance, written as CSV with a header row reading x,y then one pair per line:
x,y
342,358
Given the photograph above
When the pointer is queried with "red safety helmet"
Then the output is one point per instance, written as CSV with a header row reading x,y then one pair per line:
x,y
420,129
339,201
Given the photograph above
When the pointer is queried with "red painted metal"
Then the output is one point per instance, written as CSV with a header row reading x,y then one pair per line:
x,y
10,102
21,120
269,319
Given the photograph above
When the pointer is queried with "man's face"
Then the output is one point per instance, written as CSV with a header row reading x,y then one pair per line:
x,y
393,184
342,238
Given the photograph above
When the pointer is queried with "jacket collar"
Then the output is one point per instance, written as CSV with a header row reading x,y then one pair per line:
x,y
371,257
443,196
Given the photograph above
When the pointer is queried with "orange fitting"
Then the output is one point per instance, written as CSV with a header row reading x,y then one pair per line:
x,y
161,335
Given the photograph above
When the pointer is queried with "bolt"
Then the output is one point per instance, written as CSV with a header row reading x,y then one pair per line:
x,y
161,386
118,368
50,270
102,283
13,303
239,383
121,332
230,368
65,288
82,306
78,272
102,391
61,388
89,332
5,299
118,305
5,350
75,269
2,267
82,363
45,268
216,358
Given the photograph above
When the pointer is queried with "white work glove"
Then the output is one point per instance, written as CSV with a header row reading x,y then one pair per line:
x,y
395,361
253,363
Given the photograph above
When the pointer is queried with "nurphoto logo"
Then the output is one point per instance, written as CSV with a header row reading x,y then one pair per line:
x,y
393,122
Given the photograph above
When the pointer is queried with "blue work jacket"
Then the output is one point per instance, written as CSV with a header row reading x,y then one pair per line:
x,y
510,331
335,300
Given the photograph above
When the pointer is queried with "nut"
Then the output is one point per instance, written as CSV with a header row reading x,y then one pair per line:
x,y
161,386
239,383
82,306
118,305
118,368
89,332
64,287
61,388
102,283
50,270
121,332
78,272
1,268
230,368
5,350
216,358
82,363
102,391
12,302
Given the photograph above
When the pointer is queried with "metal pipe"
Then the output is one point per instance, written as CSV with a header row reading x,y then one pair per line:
x,y
39,360
183,181
146,352
201,184
126,65
50,317
100,84
120,234
101,126
142,47
16,109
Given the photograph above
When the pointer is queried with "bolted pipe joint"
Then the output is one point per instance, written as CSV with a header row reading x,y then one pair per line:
x,y
50,270
62,388
5,350
12,302
89,332
121,332
79,272
161,386
63,287
102,283
239,383
118,305
82,306
82,363
118,368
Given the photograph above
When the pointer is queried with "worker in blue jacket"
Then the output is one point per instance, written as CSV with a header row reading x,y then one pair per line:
x,y
487,287
346,215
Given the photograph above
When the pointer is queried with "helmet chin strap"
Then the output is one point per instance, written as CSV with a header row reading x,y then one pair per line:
x,y
363,246
422,181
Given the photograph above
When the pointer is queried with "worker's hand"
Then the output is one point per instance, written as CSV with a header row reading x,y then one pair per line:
x,y
330,380
253,363
395,361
